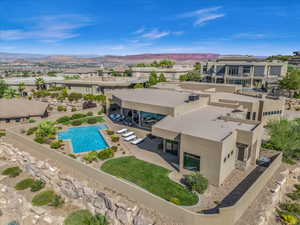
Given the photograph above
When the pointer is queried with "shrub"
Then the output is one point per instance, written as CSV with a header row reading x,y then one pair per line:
x,y
61,108
45,198
24,184
110,132
63,119
106,154
115,138
295,195
12,171
31,130
37,185
175,200
288,218
196,182
100,112
83,217
31,121
90,114
40,140
73,109
56,144
2,134
290,207
90,157
92,120
77,116
76,122
57,201
114,148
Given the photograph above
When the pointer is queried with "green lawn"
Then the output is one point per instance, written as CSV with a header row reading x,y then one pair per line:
x,y
151,177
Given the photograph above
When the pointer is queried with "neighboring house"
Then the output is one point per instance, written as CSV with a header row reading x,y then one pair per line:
x,y
18,110
208,131
172,73
295,60
246,71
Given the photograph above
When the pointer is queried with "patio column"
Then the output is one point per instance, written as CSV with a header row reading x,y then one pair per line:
x,y
164,145
139,113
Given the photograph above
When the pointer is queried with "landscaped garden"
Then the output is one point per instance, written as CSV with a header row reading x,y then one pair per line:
x,y
151,177
85,217
284,137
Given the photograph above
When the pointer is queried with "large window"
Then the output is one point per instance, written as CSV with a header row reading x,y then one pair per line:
x,y
220,70
275,70
191,162
246,70
172,147
259,71
233,70
149,119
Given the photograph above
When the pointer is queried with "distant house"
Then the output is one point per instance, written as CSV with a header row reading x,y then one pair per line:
x,y
17,110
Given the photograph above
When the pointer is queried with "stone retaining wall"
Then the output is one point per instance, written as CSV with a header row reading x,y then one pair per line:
x,y
117,209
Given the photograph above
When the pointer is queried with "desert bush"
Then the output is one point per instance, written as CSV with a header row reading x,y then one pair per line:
x,y
46,198
114,148
76,122
56,144
115,138
61,108
72,155
37,185
76,116
12,171
106,154
291,207
92,120
196,182
73,109
57,201
90,157
89,114
63,119
31,130
110,132
84,217
40,140
31,121
24,184
2,133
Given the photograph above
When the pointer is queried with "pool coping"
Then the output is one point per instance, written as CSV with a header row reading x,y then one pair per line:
x,y
69,141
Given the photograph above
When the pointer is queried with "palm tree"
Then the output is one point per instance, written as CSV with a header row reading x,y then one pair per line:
x,y
21,87
39,82
10,93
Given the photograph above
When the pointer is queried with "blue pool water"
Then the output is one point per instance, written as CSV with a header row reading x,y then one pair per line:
x,y
85,139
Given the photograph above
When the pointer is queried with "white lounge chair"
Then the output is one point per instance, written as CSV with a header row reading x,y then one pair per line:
x,y
122,131
137,141
128,134
130,138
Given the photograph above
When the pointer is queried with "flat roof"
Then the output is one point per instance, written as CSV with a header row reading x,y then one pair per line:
x,y
203,122
153,96
18,108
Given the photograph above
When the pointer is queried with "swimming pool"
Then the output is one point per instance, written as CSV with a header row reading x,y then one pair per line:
x,y
85,139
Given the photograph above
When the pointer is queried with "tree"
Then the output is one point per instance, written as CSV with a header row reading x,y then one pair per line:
x,y
191,76
128,73
197,66
153,78
39,82
291,82
21,87
3,87
138,85
10,93
46,129
162,78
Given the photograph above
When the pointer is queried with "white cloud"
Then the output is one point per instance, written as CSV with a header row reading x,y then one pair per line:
x,y
49,28
202,16
155,34
139,31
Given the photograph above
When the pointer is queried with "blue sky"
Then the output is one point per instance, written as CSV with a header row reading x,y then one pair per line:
x,y
120,27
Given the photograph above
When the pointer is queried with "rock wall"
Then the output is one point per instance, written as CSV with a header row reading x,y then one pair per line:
x,y
118,209
286,179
